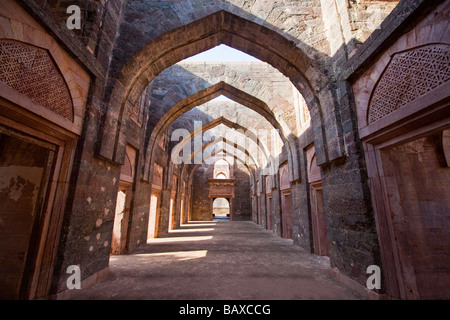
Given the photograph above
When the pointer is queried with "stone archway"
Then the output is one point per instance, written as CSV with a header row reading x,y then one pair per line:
x,y
236,32
208,94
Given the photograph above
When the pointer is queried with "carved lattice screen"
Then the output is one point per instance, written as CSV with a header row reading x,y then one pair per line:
x,y
408,76
31,71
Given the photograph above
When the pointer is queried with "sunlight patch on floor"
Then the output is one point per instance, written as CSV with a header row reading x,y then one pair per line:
x,y
191,230
178,239
200,224
177,255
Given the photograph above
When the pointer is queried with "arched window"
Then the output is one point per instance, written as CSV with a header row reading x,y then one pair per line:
x,y
221,175
221,169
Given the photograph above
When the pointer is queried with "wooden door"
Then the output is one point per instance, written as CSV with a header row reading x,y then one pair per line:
x,y
416,187
25,169
269,212
318,220
286,215
259,210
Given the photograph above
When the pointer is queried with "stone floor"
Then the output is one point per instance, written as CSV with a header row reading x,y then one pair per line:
x,y
219,260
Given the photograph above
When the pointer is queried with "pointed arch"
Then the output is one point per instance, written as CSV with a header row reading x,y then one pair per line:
x,y
221,173
230,124
208,94
221,153
220,28
250,156
231,144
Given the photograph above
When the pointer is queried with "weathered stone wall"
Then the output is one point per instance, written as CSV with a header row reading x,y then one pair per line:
x,y
349,23
201,203
87,227
367,15
89,209
91,11
241,210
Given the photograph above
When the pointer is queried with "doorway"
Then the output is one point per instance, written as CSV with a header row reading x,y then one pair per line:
x,y
119,241
286,214
320,244
221,209
269,211
154,213
119,238
318,219
183,200
172,205
416,180
258,221
172,212
26,166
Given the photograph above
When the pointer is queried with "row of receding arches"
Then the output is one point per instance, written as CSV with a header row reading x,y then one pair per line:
x,y
287,58
295,65
292,63
175,185
261,163
85,150
168,201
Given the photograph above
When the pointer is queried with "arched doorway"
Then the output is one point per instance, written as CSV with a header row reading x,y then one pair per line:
x,y
221,209
318,221
123,203
221,188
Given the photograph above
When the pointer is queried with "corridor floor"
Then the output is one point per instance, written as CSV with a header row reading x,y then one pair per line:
x,y
219,260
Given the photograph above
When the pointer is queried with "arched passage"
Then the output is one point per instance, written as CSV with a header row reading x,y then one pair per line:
x,y
209,94
258,79
236,32
313,44
238,138
235,149
226,153
221,209
237,187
